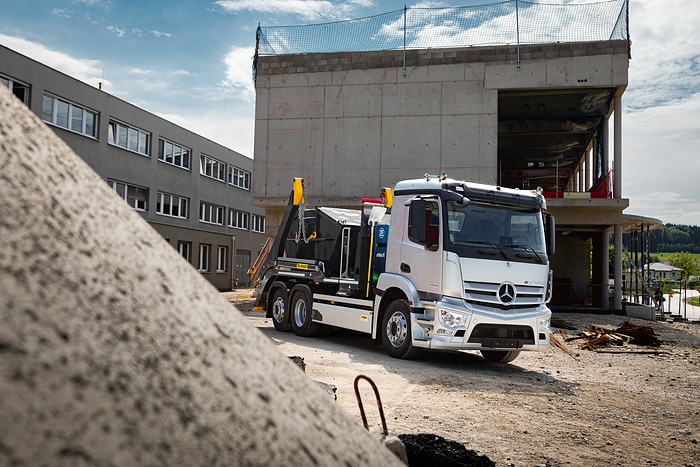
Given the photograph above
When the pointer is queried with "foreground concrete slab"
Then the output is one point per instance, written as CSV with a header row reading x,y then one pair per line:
x,y
115,351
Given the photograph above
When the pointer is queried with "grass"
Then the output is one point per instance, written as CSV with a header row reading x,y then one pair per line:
x,y
666,256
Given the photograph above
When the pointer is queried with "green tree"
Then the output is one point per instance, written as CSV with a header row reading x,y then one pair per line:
x,y
686,262
611,259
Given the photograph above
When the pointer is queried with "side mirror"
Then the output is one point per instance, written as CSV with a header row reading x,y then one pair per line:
x,y
549,233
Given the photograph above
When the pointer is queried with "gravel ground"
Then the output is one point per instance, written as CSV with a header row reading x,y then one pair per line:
x,y
621,405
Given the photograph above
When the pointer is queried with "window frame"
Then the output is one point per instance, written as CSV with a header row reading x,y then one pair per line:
x,y
163,143
160,198
244,217
236,174
255,222
71,109
143,140
185,250
210,211
217,166
204,260
125,195
221,258
13,85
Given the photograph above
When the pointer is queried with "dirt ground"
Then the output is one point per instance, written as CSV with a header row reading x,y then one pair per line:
x,y
620,405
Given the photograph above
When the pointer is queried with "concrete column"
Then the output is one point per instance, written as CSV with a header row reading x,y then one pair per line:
x,y
617,186
599,279
606,148
589,168
617,273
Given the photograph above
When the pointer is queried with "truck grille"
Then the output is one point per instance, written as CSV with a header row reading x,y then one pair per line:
x,y
487,294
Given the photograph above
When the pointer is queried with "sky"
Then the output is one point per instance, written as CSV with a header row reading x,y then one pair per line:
x,y
189,61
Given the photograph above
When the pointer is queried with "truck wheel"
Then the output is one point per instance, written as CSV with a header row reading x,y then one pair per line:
x,y
500,356
397,331
301,314
280,312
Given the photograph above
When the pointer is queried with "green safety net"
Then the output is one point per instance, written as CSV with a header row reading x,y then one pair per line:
x,y
510,22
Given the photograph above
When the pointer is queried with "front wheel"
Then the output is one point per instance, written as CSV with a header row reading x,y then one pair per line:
x,y
396,333
280,313
500,356
300,305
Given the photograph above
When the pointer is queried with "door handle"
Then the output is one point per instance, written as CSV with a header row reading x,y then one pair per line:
x,y
405,268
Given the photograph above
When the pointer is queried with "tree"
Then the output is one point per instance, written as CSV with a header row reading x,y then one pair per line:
x,y
686,262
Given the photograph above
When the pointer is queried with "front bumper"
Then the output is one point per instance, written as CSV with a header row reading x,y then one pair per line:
x,y
451,324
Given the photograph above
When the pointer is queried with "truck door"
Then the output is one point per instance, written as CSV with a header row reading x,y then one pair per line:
x,y
421,252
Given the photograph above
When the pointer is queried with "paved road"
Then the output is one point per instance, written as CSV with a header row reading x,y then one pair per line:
x,y
679,307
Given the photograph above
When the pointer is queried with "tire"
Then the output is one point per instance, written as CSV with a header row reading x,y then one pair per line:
x,y
396,331
500,356
301,313
280,310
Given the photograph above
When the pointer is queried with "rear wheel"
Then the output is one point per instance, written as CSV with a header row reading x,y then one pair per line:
x,y
396,333
500,356
300,306
280,311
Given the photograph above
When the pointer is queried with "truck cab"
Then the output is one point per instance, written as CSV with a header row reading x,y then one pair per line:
x,y
477,257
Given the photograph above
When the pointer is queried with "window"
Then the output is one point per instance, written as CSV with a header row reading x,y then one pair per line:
x,y
221,258
20,90
258,224
185,249
136,196
69,116
239,177
130,138
204,252
211,213
238,219
172,205
212,168
174,154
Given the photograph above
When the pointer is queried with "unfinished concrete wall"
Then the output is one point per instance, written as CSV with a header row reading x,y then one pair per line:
x,y
106,358
350,123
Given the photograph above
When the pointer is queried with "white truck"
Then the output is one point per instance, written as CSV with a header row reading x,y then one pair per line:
x,y
455,266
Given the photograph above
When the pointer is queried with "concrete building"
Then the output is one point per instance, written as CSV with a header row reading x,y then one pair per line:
x,y
529,116
196,193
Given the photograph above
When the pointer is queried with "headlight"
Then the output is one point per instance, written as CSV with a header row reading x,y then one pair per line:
x,y
543,326
450,319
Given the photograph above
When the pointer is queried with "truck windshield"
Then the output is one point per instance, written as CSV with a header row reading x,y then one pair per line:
x,y
488,231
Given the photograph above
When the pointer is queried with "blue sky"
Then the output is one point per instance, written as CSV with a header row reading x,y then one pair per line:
x,y
189,61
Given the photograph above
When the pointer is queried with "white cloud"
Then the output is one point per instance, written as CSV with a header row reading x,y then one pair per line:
x,y
89,71
61,13
661,118
160,34
660,163
232,128
665,61
118,31
239,72
309,10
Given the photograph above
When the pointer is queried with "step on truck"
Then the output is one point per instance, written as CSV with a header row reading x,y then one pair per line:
x,y
454,266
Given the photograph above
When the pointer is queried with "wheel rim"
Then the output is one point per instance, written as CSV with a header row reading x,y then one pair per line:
x,y
278,310
397,329
299,313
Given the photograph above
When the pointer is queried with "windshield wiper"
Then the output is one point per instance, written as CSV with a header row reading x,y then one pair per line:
x,y
530,249
491,244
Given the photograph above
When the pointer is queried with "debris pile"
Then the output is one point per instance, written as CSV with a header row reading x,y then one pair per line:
x,y
598,336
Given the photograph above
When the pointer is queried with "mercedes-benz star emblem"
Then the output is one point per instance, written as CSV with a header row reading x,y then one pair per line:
x,y
506,292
